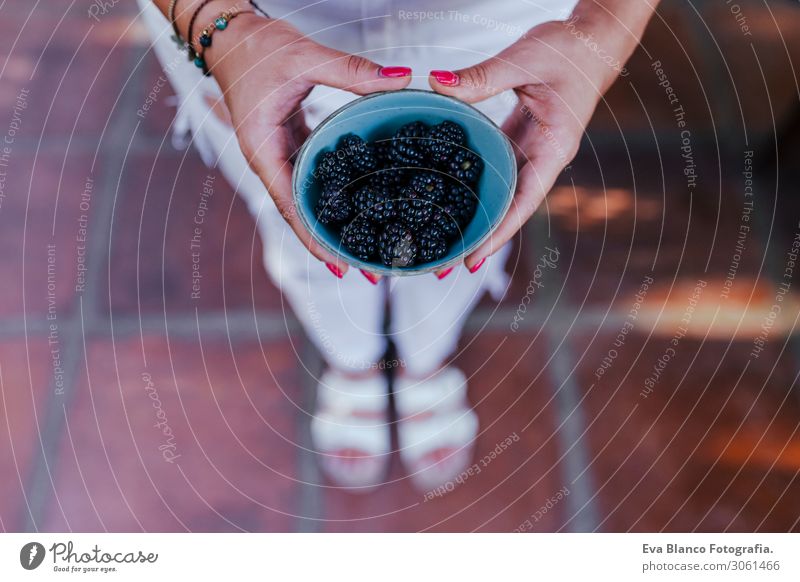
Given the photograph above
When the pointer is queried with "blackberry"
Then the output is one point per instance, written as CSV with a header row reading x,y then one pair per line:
x,y
386,174
432,244
415,211
392,178
376,203
333,206
460,203
334,169
400,200
429,185
408,145
350,143
444,221
443,141
397,246
383,148
360,237
465,166
360,155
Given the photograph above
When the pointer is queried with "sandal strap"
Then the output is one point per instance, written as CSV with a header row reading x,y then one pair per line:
x,y
351,414
456,429
342,397
329,435
434,413
442,393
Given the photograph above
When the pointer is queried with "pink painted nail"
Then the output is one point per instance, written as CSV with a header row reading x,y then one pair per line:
x,y
477,265
370,277
448,78
335,270
444,273
394,72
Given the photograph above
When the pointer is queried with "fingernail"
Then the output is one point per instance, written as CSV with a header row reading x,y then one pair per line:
x,y
370,277
394,72
444,273
446,77
477,265
335,270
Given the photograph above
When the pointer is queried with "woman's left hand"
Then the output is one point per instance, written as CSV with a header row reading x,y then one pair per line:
x,y
558,78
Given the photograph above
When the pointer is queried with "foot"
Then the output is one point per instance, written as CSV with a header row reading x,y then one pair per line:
x,y
437,427
350,430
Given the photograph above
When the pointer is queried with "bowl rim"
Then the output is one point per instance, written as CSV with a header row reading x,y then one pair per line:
x,y
380,269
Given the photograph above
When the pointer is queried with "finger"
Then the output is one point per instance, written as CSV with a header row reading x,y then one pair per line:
x,y
533,183
356,74
270,162
442,273
371,277
479,82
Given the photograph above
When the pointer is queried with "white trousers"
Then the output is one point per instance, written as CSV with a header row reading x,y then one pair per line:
x,y
345,318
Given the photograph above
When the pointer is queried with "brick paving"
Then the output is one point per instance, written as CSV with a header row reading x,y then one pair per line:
x,y
707,441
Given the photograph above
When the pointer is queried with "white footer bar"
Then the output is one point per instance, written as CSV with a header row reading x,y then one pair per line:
x,y
400,557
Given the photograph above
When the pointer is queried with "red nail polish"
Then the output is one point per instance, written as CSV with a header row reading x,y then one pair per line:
x,y
444,273
370,277
394,72
477,265
335,270
448,78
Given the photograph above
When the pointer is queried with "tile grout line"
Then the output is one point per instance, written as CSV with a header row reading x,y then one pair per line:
x,y
571,440
576,471
774,260
310,500
272,325
241,323
41,478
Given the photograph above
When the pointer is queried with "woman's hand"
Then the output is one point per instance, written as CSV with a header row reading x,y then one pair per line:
x,y
559,78
265,68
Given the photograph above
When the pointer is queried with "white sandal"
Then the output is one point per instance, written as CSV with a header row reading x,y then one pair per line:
x,y
350,430
437,427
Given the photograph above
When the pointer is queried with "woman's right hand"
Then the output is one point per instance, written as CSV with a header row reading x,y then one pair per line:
x,y
265,69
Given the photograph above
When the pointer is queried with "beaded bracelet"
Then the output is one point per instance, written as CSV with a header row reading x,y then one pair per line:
x,y
189,48
204,39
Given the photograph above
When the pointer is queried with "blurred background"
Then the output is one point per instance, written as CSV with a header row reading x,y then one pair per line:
x,y
652,382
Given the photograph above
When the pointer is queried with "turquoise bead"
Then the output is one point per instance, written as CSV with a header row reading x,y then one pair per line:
x,y
199,62
221,23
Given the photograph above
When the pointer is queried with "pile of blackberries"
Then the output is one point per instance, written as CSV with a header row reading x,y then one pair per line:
x,y
402,200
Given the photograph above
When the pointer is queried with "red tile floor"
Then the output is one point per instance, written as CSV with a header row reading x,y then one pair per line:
x,y
128,406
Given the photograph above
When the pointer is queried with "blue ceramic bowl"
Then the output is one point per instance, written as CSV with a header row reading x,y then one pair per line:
x,y
378,116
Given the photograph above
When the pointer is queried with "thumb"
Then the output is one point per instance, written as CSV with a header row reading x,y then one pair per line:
x,y
479,82
357,74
